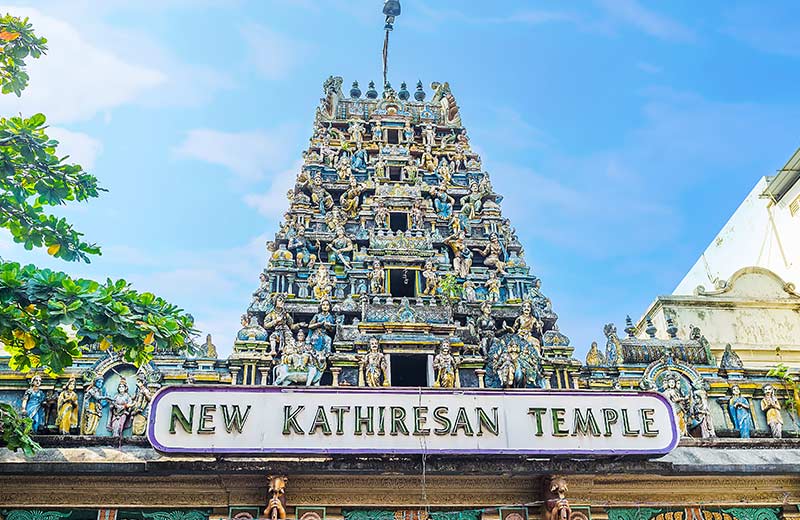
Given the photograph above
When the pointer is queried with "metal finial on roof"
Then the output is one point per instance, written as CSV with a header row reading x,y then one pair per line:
x,y
391,8
371,92
651,329
419,95
629,328
355,92
404,94
672,329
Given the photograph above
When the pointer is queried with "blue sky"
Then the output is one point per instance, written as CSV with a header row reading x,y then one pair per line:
x,y
622,133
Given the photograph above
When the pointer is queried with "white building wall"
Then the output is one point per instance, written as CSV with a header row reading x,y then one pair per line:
x,y
760,233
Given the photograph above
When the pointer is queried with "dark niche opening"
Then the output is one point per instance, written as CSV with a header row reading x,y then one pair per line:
x,y
409,370
402,284
398,221
393,136
395,173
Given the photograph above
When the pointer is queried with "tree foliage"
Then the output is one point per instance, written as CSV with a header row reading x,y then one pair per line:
x,y
48,318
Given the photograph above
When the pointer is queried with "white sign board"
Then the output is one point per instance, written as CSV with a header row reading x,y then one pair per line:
x,y
266,420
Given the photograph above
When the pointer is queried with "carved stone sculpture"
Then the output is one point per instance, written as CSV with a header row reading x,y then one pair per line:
x,y
32,403
444,366
67,408
739,411
772,408
373,365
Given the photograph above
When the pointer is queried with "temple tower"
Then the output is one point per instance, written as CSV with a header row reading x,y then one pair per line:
x,y
394,237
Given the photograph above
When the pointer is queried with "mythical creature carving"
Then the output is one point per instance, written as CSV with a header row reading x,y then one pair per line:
x,y
556,504
276,507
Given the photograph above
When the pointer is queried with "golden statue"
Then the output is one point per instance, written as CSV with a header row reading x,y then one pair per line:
x,y
67,408
445,366
94,399
373,365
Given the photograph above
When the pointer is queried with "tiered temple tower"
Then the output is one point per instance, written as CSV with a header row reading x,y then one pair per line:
x,y
394,234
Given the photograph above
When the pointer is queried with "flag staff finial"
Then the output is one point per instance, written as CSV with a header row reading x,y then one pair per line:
x,y
391,8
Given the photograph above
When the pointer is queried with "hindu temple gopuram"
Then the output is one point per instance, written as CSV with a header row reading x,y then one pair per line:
x,y
399,360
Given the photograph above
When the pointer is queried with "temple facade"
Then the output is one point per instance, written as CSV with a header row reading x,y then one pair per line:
x,y
394,275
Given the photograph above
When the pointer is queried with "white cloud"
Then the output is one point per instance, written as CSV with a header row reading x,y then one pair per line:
x,y
76,80
273,202
249,155
82,148
274,55
647,21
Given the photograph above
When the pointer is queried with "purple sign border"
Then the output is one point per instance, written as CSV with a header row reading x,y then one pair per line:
x,y
391,451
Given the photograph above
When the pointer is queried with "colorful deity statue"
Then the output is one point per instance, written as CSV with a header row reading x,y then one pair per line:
x,y
408,133
739,410
417,215
322,327
119,414
94,399
470,294
377,278
494,254
140,405
340,249
359,160
280,322
320,196
32,403
462,256
305,253
701,414
526,325
356,130
67,417
472,203
594,358
428,163
442,202
445,366
772,408
350,200
373,365
343,167
381,214
380,168
492,285
730,359
429,135
486,328
411,172
680,402
377,132
335,219
321,282
444,173
431,279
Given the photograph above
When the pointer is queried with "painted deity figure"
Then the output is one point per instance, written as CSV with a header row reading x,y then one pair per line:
x,y
701,414
462,256
381,213
494,254
444,173
350,200
408,133
417,215
470,294
739,411
442,203
772,408
326,151
67,408
343,168
340,249
140,405
32,403
730,359
380,168
356,131
428,163
377,278
486,328
335,219
294,354
305,253
94,399
322,327
445,366
594,358
472,203
431,279
411,172
320,196
493,287
120,410
428,135
280,322
321,282
526,325
359,159
373,365
377,132
679,401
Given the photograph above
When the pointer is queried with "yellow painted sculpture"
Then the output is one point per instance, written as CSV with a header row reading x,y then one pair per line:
x,y
67,408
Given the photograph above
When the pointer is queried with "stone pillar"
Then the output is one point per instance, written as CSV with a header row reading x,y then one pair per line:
x,y
234,375
481,373
335,371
